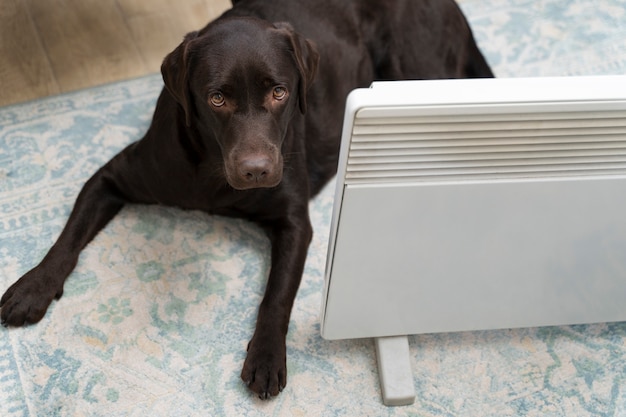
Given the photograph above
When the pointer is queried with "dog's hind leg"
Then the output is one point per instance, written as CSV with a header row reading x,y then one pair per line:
x,y
476,65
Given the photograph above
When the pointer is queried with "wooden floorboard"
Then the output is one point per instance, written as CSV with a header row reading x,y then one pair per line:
x,y
25,72
157,28
87,42
53,46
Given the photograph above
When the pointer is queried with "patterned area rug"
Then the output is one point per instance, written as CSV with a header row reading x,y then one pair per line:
x,y
156,317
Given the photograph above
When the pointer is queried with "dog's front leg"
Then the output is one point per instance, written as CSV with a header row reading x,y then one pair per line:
x,y
265,368
27,300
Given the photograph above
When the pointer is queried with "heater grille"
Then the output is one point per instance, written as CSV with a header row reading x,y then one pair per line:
x,y
451,147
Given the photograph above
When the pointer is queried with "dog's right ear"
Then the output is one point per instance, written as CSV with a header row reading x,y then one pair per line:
x,y
175,71
306,58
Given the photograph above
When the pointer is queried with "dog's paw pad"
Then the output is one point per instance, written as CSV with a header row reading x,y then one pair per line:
x,y
265,372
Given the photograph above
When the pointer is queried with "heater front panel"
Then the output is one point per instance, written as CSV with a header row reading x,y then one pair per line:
x,y
428,258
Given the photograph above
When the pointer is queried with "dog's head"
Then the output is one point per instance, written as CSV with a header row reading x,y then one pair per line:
x,y
242,80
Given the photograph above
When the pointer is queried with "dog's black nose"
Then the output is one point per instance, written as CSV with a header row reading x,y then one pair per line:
x,y
255,170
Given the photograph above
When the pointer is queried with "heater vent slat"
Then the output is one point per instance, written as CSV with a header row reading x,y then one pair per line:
x,y
497,146
491,117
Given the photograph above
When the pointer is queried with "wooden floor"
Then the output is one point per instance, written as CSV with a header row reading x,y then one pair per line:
x,y
53,46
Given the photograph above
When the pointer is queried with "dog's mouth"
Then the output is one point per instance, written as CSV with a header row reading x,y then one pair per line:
x,y
254,171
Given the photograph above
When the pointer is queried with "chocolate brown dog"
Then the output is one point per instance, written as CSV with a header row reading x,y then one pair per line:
x,y
249,125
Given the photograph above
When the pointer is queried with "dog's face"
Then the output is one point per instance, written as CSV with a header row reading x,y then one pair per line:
x,y
242,80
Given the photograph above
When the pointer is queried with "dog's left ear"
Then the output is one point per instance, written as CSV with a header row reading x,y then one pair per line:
x,y
306,57
175,71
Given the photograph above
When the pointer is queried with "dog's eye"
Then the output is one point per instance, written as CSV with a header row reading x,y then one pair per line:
x,y
217,99
279,93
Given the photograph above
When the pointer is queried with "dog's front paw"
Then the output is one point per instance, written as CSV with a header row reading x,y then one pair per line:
x,y
27,300
265,368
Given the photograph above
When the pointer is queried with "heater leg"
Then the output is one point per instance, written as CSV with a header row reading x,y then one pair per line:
x,y
394,370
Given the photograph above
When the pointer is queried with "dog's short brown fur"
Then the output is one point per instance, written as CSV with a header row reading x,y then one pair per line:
x,y
248,125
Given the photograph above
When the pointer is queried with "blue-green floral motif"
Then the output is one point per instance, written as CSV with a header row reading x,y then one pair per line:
x,y
113,395
115,311
150,271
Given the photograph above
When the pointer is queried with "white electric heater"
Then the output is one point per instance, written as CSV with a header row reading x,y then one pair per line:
x,y
476,204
